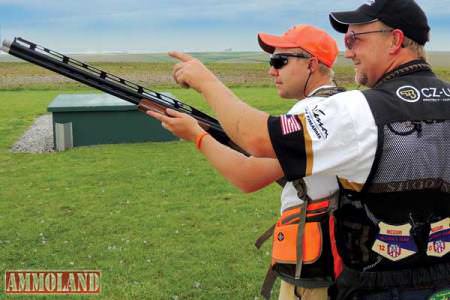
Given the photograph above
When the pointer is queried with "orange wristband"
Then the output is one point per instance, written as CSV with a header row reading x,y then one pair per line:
x,y
199,138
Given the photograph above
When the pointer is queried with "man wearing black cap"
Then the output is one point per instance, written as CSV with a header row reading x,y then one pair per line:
x,y
388,145
404,20
393,231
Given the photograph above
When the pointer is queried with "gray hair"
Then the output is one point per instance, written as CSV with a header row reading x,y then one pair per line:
x,y
416,48
413,46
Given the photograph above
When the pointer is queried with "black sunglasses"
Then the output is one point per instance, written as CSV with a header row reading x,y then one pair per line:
x,y
279,60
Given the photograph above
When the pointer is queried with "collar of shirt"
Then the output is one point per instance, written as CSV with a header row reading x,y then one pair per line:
x,y
320,87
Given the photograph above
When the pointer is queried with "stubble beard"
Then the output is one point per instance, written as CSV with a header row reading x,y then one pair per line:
x,y
361,78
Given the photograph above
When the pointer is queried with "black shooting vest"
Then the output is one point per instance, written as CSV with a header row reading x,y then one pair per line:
x,y
409,184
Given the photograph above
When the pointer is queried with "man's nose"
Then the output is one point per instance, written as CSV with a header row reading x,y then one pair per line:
x,y
273,72
348,53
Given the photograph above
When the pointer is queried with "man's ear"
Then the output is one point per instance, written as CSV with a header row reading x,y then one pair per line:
x,y
313,64
397,41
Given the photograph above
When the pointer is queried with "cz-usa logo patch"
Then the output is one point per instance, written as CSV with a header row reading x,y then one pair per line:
x,y
408,93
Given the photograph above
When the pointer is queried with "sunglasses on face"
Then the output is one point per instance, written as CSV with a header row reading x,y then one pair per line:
x,y
279,60
351,36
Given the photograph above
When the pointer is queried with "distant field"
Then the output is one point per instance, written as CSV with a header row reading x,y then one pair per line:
x,y
24,76
18,75
236,69
436,58
218,57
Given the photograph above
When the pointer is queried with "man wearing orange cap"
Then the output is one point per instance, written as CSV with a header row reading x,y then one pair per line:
x,y
301,64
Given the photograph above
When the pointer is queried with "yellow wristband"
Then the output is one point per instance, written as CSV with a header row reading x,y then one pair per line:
x,y
199,138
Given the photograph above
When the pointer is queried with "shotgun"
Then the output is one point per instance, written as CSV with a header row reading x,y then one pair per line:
x,y
144,98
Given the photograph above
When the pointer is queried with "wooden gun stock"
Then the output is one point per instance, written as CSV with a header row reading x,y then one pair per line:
x,y
146,105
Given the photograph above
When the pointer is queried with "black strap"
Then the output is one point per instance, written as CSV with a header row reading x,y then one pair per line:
x,y
265,236
300,233
269,281
300,186
350,281
327,91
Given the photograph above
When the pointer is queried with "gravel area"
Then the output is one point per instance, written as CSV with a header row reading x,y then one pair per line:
x,y
38,138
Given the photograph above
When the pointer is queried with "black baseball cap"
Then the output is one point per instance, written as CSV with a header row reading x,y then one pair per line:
x,y
405,15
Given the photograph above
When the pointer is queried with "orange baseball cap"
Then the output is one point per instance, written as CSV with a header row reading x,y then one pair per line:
x,y
313,40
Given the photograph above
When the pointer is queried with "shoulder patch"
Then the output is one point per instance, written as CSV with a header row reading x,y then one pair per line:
x,y
289,124
314,118
408,93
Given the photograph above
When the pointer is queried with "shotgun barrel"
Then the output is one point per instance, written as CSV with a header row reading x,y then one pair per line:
x,y
146,99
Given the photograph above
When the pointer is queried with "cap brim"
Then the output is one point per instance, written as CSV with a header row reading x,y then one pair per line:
x,y
341,20
269,42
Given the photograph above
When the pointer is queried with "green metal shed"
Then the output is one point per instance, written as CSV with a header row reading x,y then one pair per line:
x,y
91,119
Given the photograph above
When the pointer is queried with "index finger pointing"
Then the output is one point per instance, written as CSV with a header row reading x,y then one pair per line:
x,y
180,56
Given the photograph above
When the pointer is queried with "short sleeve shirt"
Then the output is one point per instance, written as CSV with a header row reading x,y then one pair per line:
x,y
337,136
317,186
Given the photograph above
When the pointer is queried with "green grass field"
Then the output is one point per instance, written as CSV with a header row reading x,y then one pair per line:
x,y
154,217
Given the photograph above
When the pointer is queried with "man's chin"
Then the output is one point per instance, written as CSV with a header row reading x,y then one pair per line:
x,y
281,94
361,79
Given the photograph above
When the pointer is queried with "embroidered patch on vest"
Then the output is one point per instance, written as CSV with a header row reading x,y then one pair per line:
x,y
408,93
439,238
314,117
394,242
289,124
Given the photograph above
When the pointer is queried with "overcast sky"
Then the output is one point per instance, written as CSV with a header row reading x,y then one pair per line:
x,y
194,25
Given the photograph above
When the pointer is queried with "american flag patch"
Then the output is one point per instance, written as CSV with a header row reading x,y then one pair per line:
x,y
289,124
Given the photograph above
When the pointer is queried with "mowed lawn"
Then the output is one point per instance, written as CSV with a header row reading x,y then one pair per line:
x,y
153,217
